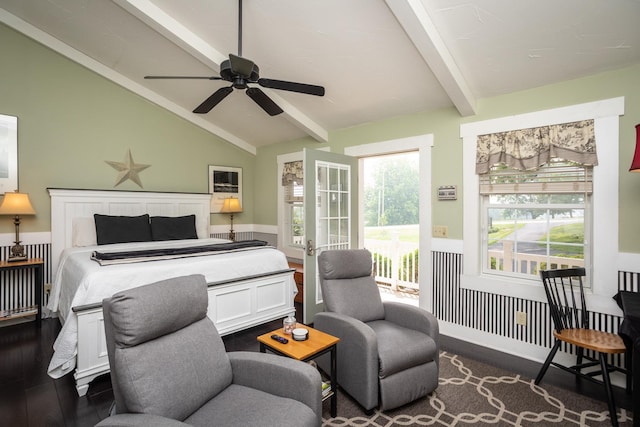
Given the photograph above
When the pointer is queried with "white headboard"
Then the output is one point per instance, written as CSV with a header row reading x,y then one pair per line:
x,y
69,204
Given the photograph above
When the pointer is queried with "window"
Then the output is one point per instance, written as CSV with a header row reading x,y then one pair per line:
x,y
601,208
535,220
293,199
290,205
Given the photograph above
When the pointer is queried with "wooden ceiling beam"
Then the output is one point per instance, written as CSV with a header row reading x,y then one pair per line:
x,y
417,23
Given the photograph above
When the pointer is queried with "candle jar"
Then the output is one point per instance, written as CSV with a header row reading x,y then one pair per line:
x,y
289,324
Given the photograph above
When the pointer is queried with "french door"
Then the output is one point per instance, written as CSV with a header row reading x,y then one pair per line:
x,y
330,215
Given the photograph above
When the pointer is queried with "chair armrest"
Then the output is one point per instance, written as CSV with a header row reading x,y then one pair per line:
x,y
141,420
280,376
412,317
352,331
357,355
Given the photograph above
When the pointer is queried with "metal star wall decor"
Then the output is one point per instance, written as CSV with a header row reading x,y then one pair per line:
x,y
128,169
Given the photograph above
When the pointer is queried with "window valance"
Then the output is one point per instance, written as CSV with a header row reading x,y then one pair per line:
x,y
527,149
293,172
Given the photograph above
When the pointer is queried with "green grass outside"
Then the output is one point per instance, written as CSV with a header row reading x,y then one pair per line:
x,y
569,233
500,231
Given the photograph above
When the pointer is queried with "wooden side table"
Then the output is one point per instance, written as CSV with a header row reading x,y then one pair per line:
x,y
37,265
316,345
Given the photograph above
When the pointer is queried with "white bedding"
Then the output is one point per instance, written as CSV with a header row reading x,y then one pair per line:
x,y
80,281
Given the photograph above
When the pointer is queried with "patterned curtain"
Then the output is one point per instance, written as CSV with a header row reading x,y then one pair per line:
x,y
528,149
292,172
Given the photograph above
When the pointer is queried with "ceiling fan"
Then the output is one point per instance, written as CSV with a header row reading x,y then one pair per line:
x,y
241,72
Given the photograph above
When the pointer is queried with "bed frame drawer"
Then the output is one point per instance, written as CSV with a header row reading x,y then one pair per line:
x,y
241,305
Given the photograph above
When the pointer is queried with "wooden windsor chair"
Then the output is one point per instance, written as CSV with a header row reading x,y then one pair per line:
x,y
565,294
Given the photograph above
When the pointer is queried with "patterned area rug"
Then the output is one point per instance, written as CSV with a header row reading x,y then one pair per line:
x,y
474,393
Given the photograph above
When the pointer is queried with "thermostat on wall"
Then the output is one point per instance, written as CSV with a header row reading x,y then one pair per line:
x,y
447,192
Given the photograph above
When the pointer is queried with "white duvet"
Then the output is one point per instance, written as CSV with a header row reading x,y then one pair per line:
x,y
80,281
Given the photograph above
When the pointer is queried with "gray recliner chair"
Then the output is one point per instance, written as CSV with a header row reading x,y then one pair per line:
x,y
388,354
169,366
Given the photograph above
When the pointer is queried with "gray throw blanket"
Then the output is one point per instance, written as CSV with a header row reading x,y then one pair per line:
x,y
122,257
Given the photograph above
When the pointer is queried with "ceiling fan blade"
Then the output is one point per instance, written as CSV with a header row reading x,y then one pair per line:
x,y
184,77
213,100
264,101
292,86
241,66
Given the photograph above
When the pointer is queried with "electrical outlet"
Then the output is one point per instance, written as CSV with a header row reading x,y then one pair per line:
x,y
521,318
47,288
440,231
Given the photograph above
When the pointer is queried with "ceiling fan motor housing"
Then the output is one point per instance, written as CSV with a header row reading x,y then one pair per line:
x,y
229,75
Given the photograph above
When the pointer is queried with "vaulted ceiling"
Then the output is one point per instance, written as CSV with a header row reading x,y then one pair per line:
x,y
376,58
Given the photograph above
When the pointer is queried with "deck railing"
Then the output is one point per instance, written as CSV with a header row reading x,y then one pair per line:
x,y
396,263
507,260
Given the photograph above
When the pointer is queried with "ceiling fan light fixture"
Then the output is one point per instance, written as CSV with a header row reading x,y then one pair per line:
x,y
240,83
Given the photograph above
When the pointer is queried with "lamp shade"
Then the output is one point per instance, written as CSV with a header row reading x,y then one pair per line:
x,y
231,205
16,204
635,164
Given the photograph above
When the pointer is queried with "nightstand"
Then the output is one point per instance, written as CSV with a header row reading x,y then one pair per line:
x,y
37,265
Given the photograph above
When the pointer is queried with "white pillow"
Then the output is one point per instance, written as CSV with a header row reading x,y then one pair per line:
x,y
83,232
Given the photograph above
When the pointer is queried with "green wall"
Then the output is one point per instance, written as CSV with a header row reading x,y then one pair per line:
x,y
70,120
447,150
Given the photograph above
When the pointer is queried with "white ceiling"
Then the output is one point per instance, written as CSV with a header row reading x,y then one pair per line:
x,y
376,58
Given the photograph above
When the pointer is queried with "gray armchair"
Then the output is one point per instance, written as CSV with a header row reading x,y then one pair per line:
x,y
169,366
388,354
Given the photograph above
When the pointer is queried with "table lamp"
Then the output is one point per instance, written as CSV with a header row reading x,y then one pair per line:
x,y
231,206
16,204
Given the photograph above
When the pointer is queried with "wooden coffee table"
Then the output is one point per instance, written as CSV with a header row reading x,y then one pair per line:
x,y
317,344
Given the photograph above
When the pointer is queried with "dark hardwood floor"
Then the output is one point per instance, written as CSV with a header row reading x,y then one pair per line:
x,y
30,398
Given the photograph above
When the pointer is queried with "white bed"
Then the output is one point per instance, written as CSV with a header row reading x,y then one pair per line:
x,y
246,287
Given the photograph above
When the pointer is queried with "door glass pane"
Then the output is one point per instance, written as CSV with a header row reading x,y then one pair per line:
x,y
334,231
344,205
322,203
333,204
322,231
344,230
333,179
344,179
322,178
